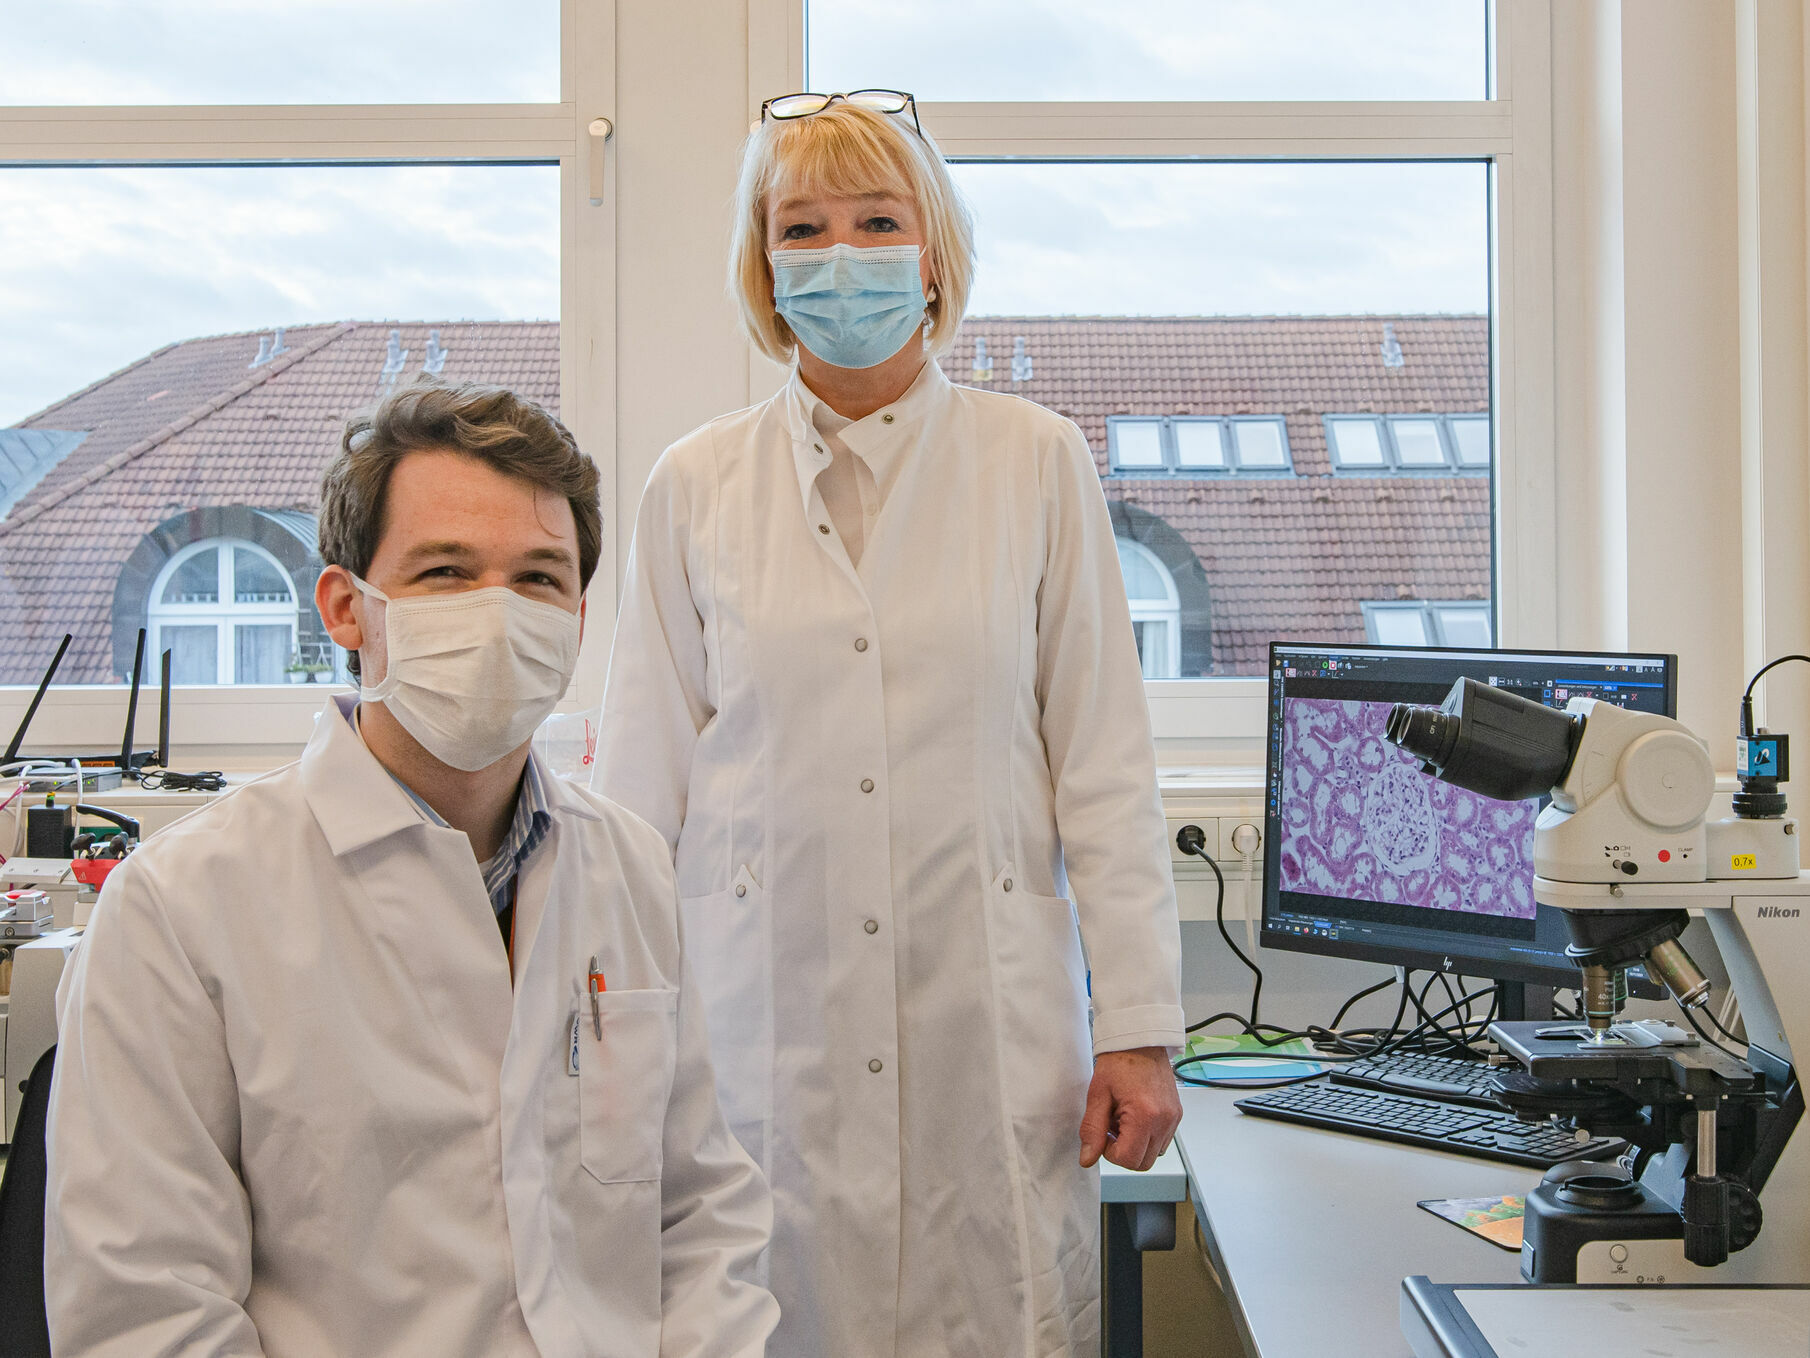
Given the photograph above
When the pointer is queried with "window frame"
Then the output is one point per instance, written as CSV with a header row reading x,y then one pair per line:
x,y
1225,426
227,614
1390,444
1168,611
1431,613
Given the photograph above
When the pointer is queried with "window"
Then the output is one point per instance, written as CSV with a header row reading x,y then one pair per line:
x,y
323,52
212,214
1408,443
195,408
1186,444
1155,610
1157,49
1198,345
1186,244
1470,439
1413,623
226,612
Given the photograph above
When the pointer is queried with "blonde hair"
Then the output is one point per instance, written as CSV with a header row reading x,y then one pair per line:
x,y
847,151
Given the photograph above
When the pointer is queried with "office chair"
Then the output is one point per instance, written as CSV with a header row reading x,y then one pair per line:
x,y
24,1328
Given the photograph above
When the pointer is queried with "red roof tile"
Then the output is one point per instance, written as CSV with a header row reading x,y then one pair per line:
x,y
193,425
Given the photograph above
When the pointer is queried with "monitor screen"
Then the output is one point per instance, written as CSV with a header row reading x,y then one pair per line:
x,y
1367,857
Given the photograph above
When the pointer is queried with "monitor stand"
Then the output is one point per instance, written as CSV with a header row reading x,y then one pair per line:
x,y
1521,1002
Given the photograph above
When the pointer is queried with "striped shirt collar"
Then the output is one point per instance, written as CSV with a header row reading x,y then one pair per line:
x,y
533,818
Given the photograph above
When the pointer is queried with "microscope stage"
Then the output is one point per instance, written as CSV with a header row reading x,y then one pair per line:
x,y
1695,1069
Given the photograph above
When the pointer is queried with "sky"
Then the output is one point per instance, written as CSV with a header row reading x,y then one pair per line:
x,y
101,266
1150,49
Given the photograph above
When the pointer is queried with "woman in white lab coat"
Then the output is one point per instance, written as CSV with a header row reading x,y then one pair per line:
x,y
875,679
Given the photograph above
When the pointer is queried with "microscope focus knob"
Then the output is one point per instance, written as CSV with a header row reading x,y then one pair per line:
x,y
1745,1216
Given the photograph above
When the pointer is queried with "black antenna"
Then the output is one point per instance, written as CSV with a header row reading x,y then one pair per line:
x,y
138,667
163,715
12,750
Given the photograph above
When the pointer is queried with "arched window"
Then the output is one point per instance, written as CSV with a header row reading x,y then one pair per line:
x,y
225,609
1156,610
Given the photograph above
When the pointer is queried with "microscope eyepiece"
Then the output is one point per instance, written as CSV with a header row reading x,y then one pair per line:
x,y
1427,733
1488,741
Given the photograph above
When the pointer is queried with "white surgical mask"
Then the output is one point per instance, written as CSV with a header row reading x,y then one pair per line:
x,y
472,674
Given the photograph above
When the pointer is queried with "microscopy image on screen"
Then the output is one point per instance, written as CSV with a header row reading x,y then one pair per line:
x,y
1361,822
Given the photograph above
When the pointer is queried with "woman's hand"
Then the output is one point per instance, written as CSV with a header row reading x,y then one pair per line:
x,y
1132,1108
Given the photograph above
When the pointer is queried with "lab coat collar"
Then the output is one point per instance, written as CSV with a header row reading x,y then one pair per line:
x,y
880,440
355,800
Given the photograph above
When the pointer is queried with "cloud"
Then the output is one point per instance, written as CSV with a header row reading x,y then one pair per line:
x,y
104,265
1228,239
325,52
1152,49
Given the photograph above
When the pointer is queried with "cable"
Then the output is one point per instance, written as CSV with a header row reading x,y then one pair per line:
x,y
1697,1028
1388,1044
1196,845
1722,1028
1369,990
167,780
1747,697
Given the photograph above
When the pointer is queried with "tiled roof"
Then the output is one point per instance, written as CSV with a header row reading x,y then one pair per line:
x,y
1285,558
1302,367
27,456
194,425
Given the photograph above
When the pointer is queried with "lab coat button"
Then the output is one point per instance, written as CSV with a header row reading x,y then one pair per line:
x,y
886,418
867,785
1008,884
872,926
823,528
741,890
876,1066
818,447
860,643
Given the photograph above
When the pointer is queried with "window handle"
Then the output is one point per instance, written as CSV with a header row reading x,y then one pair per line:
x,y
601,131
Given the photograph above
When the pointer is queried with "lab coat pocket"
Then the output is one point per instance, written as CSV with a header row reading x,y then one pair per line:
x,y
1043,1004
624,1082
725,937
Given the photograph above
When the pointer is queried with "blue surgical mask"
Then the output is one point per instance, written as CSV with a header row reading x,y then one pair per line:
x,y
851,307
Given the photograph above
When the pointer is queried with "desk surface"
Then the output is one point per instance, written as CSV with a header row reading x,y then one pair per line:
x,y
1313,1231
1165,1181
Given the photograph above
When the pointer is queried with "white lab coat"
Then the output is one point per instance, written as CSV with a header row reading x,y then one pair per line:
x,y
299,1110
874,779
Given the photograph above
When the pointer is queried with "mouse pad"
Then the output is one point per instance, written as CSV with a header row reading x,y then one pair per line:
x,y
1497,1220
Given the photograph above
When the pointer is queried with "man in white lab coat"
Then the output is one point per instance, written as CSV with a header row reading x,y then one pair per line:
x,y
393,1051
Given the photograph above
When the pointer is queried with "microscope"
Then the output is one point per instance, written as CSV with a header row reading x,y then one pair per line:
x,y
1624,851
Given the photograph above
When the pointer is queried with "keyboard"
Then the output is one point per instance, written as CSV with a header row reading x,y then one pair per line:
x,y
1426,1122
1449,1079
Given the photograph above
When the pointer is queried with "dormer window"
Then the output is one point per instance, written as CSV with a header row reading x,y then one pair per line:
x,y
1198,445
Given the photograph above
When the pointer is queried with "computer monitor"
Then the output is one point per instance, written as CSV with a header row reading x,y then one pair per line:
x,y
1366,857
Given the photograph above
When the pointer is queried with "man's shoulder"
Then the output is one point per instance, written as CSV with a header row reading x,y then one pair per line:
x,y
258,807
241,847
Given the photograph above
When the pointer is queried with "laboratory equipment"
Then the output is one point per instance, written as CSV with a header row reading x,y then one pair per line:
x,y
1484,1133
30,1027
25,914
1624,851
103,771
1359,849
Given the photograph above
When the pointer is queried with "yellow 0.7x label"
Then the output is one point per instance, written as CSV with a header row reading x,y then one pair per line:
x,y
1743,862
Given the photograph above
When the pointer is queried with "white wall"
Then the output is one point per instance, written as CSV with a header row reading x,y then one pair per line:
x,y
1680,300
